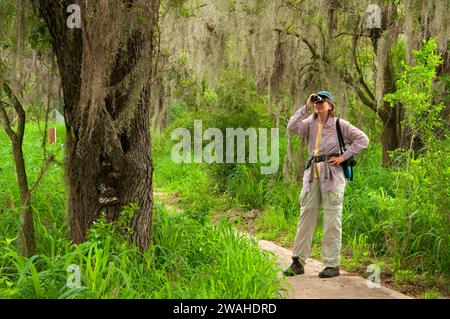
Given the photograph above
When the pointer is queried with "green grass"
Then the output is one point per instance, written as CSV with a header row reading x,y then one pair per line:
x,y
186,260
432,294
189,258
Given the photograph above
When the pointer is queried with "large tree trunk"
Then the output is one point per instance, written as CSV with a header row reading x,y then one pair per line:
x,y
105,82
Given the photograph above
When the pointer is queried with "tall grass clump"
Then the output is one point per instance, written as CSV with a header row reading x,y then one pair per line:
x,y
187,260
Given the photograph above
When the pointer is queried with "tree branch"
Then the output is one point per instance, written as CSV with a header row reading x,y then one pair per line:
x,y
6,121
50,159
351,34
358,68
324,50
19,110
384,114
311,48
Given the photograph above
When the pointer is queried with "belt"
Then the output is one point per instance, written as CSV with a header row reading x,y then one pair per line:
x,y
318,159
324,158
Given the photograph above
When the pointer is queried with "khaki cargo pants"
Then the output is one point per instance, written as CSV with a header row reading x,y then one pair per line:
x,y
332,222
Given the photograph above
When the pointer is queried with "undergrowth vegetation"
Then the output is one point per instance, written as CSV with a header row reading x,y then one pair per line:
x,y
188,259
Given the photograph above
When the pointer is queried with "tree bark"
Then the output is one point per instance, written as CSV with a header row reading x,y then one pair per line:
x,y
389,136
119,161
27,240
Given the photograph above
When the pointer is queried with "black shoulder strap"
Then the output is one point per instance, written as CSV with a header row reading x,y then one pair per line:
x,y
340,137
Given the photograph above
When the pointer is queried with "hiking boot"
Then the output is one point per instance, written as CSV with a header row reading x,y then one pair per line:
x,y
329,272
295,268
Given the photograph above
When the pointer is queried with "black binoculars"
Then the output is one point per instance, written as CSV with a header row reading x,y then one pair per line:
x,y
316,99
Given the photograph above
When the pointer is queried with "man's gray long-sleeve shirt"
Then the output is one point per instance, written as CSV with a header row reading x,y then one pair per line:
x,y
306,125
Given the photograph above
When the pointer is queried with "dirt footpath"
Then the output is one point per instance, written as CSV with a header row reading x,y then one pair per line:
x,y
309,285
